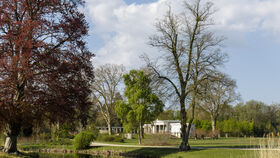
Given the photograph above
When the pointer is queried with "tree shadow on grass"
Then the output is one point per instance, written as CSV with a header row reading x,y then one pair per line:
x,y
153,152
227,146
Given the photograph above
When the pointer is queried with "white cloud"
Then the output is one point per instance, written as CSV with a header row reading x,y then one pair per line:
x,y
126,28
249,15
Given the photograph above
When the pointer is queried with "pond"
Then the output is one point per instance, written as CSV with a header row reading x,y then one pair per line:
x,y
75,155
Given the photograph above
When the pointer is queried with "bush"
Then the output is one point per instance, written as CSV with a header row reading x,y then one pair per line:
x,y
92,129
83,139
110,138
64,131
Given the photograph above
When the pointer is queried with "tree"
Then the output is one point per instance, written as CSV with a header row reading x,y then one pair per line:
x,y
106,91
191,53
265,117
142,104
168,115
217,93
45,67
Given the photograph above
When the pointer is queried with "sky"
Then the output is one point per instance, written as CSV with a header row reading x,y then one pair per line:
x,y
119,32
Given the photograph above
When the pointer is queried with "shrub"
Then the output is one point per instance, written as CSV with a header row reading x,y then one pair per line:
x,y
64,131
110,138
83,139
92,129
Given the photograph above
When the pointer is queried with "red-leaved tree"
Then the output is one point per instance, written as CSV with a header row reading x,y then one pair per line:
x,y
45,67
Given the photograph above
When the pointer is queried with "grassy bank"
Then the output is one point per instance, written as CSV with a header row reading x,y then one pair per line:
x,y
214,149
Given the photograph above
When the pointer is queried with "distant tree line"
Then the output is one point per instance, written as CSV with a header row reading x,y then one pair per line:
x,y
253,118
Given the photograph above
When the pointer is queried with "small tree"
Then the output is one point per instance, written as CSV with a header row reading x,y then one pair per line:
x,y
142,104
106,91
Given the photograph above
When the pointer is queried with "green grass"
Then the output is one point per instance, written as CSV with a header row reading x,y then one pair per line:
x,y
195,153
163,140
228,142
212,151
215,153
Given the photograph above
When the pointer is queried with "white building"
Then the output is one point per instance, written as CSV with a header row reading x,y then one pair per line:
x,y
173,127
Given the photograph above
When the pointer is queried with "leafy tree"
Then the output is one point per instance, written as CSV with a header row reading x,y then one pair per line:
x,y
106,91
190,54
265,117
142,104
45,67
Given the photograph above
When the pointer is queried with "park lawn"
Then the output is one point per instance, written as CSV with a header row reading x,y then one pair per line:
x,y
31,144
232,142
195,153
24,155
213,149
3,155
215,153
171,153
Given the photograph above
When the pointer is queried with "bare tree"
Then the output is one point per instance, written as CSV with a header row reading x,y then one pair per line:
x,y
106,91
190,54
215,94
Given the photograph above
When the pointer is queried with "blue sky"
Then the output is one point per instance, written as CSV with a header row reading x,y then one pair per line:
x,y
120,29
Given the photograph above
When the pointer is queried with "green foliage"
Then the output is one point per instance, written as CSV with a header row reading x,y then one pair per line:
x,y
231,126
236,128
92,129
142,104
253,118
110,138
83,140
203,124
60,142
64,131
265,117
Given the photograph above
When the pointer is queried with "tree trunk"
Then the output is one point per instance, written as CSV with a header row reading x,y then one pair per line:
x,y
184,146
109,127
213,125
214,134
12,132
140,134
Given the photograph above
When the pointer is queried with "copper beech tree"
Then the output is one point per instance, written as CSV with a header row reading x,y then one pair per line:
x,y
45,67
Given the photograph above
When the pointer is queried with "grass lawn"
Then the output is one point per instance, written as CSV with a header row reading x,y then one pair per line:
x,y
165,153
163,140
213,152
209,153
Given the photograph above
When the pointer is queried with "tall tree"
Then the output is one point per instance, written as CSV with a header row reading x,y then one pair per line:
x,y
216,93
106,91
143,105
45,67
191,53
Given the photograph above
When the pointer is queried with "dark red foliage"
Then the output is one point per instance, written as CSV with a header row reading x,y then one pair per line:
x,y
45,67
